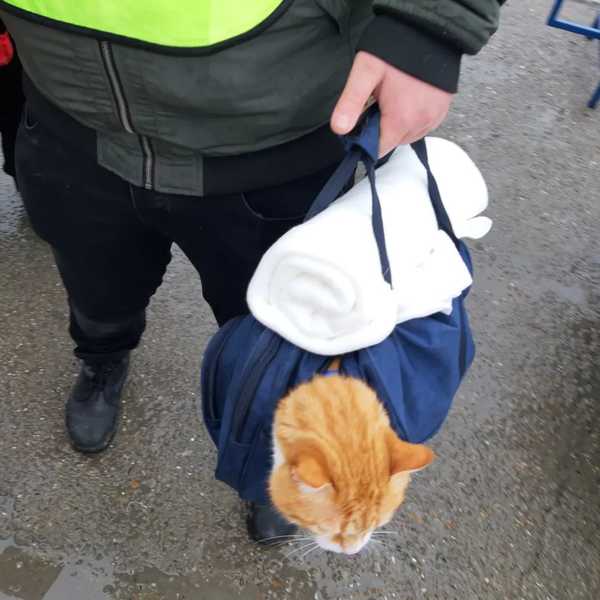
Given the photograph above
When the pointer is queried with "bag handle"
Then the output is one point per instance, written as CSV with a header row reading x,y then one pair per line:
x,y
364,146
441,215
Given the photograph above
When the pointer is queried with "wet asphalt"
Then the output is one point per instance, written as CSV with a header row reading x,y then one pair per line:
x,y
510,510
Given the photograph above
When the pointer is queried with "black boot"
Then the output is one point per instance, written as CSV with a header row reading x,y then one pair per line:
x,y
93,408
266,525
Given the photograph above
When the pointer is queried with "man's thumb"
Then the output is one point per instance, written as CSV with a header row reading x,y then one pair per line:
x,y
363,79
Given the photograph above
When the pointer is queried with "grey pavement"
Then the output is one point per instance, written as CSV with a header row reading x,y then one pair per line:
x,y
511,508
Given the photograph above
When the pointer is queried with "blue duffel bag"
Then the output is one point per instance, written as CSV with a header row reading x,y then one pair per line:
x,y
415,372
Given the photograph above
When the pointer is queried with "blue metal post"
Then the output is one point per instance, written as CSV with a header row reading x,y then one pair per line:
x,y
595,98
591,33
554,21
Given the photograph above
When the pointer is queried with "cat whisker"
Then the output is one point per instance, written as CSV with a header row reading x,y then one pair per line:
x,y
309,538
309,551
295,550
387,532
384,540
286,543
295,546
276,537
390,547
381,544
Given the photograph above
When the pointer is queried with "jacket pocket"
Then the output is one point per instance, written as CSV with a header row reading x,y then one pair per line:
x,y
276,213
30,121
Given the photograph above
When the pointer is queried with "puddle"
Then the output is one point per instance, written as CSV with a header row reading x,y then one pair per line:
x,y
152,584
558,434
23,577
81,580
26,577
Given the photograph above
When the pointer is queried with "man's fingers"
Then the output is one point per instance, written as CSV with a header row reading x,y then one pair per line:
x,y
365,76
417,134
410,108
391,139
400,127
393,131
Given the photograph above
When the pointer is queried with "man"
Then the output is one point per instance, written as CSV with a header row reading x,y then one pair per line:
x,y
208,125
11,99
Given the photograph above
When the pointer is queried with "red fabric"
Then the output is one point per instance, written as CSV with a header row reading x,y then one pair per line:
x,y
6,50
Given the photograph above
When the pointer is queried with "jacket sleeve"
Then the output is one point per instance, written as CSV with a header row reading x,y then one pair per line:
x,y
427,38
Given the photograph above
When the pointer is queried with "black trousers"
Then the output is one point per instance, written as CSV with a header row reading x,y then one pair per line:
x,y
112,240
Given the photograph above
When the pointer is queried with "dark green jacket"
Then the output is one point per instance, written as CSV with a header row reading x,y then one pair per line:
x,y
427,38
250,114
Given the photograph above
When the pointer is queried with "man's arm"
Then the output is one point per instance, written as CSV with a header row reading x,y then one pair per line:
x,y
409,60
426,38
466,24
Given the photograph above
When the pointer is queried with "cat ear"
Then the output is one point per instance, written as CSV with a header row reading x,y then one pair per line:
x,y
408,458
310,474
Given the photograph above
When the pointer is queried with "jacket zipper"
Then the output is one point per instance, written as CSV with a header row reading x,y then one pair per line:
x,y
148,161
124,114
254,370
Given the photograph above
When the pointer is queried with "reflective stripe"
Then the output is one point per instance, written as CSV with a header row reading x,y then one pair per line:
x,y
148,162
123,112
172,23
115,84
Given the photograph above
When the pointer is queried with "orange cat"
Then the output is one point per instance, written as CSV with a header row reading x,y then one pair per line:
x,y
339,469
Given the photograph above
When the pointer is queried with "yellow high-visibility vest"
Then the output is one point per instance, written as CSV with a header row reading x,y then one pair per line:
x,y
175,24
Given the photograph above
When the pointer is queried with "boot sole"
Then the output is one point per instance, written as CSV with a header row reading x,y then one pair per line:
x,y
94,449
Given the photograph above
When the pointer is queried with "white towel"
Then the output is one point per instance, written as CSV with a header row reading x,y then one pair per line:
x,y
320,286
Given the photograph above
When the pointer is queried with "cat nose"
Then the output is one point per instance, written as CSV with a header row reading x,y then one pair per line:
x,y
356,546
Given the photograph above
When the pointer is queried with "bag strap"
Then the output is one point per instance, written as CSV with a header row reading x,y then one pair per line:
x,y
441,215
362,144
364,147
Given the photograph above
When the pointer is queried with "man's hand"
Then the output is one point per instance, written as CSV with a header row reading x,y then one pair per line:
x,y
410,108
6,49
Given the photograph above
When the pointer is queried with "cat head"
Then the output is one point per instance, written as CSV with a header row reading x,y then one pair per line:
x,y
339,470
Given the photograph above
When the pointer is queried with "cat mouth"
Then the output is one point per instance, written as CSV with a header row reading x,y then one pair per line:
x,y
347,549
